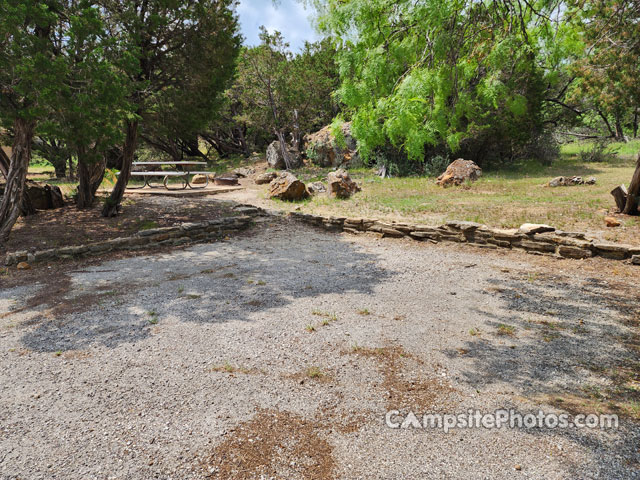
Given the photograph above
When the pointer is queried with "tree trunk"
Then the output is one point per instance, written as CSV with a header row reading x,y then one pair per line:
x,y
620,195
619,130
61,168
635,124
90,175
4,163
72,175
606,122
297,136
283,149
112,204
631,208
12,200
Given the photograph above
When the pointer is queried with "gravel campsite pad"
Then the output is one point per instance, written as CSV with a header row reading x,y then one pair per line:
x,y
277,354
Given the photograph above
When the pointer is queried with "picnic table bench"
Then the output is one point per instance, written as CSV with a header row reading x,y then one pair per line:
x,y
184,174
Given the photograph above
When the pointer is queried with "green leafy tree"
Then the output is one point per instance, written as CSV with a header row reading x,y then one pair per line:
x,y
30,75
182,48
468,76
276,93
607,74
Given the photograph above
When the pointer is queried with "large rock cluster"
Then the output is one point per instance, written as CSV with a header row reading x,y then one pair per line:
x,y
325,150
458,172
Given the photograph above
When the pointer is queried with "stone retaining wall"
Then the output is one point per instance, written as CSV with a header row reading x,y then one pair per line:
x,y
554,242
166,236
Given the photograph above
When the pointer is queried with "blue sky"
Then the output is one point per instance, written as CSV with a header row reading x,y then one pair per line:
x,y
289,17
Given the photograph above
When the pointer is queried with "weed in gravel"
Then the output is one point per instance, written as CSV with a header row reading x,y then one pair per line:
x,y
315,372
310,328
474,332
180,290
227,367
364,312
153,317
194,296
58,353
507,330
331,317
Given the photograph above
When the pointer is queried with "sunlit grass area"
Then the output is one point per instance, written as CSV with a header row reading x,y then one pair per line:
x,y
506,198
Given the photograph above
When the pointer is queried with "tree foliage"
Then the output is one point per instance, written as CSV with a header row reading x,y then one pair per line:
x,y
182,48
461,74
276,90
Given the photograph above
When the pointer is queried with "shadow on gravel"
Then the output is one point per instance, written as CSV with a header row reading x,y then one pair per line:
x,y
235,280
573,346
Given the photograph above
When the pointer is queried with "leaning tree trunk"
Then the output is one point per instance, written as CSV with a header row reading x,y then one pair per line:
x,y
631,208
4,163
283,149
112,204
90,175
12,200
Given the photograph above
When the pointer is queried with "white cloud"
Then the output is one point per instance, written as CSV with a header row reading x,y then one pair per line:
x,y
289,17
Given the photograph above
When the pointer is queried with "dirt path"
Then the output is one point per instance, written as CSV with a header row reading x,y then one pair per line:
x,y
277,354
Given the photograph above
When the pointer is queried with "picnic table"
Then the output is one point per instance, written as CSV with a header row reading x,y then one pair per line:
x,y
183,174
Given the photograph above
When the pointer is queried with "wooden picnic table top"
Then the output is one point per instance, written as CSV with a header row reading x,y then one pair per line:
x,y
182,162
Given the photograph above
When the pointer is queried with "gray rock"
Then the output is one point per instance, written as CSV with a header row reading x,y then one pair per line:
x,y
531,228
317,187
276,160
265,178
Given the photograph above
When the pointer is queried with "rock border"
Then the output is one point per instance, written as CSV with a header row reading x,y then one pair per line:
x,y
547,241
165,236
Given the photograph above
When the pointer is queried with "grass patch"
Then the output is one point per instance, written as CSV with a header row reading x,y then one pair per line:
x,y
315,373
152,317
147,225
364,312
506,330
506,198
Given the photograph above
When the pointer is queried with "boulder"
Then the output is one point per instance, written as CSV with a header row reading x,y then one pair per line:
x,y
202,179
458,172
341,185
276,160
226,180
570,181
612,222
244,172
266,177
42,196
287,187
324,150
317,187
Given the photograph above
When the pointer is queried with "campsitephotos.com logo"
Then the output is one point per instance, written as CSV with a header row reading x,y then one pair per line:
x,y
510,419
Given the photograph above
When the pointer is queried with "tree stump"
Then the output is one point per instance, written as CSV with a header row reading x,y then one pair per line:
x,y
620,195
